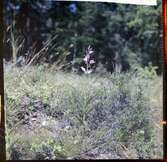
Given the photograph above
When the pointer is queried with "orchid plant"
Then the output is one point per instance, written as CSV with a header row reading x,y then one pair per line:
x,y
89,61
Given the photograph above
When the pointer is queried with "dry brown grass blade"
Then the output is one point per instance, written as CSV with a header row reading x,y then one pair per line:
x,y
46,46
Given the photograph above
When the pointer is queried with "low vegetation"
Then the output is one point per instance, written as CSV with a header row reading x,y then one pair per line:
x,y
58,115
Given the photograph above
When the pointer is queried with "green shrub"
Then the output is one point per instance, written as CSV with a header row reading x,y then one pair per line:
x,y
83,116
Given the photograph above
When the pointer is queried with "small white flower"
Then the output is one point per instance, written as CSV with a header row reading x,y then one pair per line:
x,y
86,59
89,71
67,127
44,123
142,132
83,69
90,52
92,62
75,141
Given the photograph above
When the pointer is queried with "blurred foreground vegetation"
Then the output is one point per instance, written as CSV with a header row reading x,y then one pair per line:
x,y
56,115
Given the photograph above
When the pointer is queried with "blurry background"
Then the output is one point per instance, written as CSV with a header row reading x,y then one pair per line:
x,y
127,34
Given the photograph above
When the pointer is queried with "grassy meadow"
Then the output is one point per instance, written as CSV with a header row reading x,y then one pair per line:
x,y
56,115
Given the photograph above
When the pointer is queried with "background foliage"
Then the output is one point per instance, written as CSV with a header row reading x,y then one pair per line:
x,y
128,34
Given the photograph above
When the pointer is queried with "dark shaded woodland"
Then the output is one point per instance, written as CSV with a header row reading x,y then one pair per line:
x,y
124,35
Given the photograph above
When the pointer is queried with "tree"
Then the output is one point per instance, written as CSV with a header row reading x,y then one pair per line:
x,y
127,35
